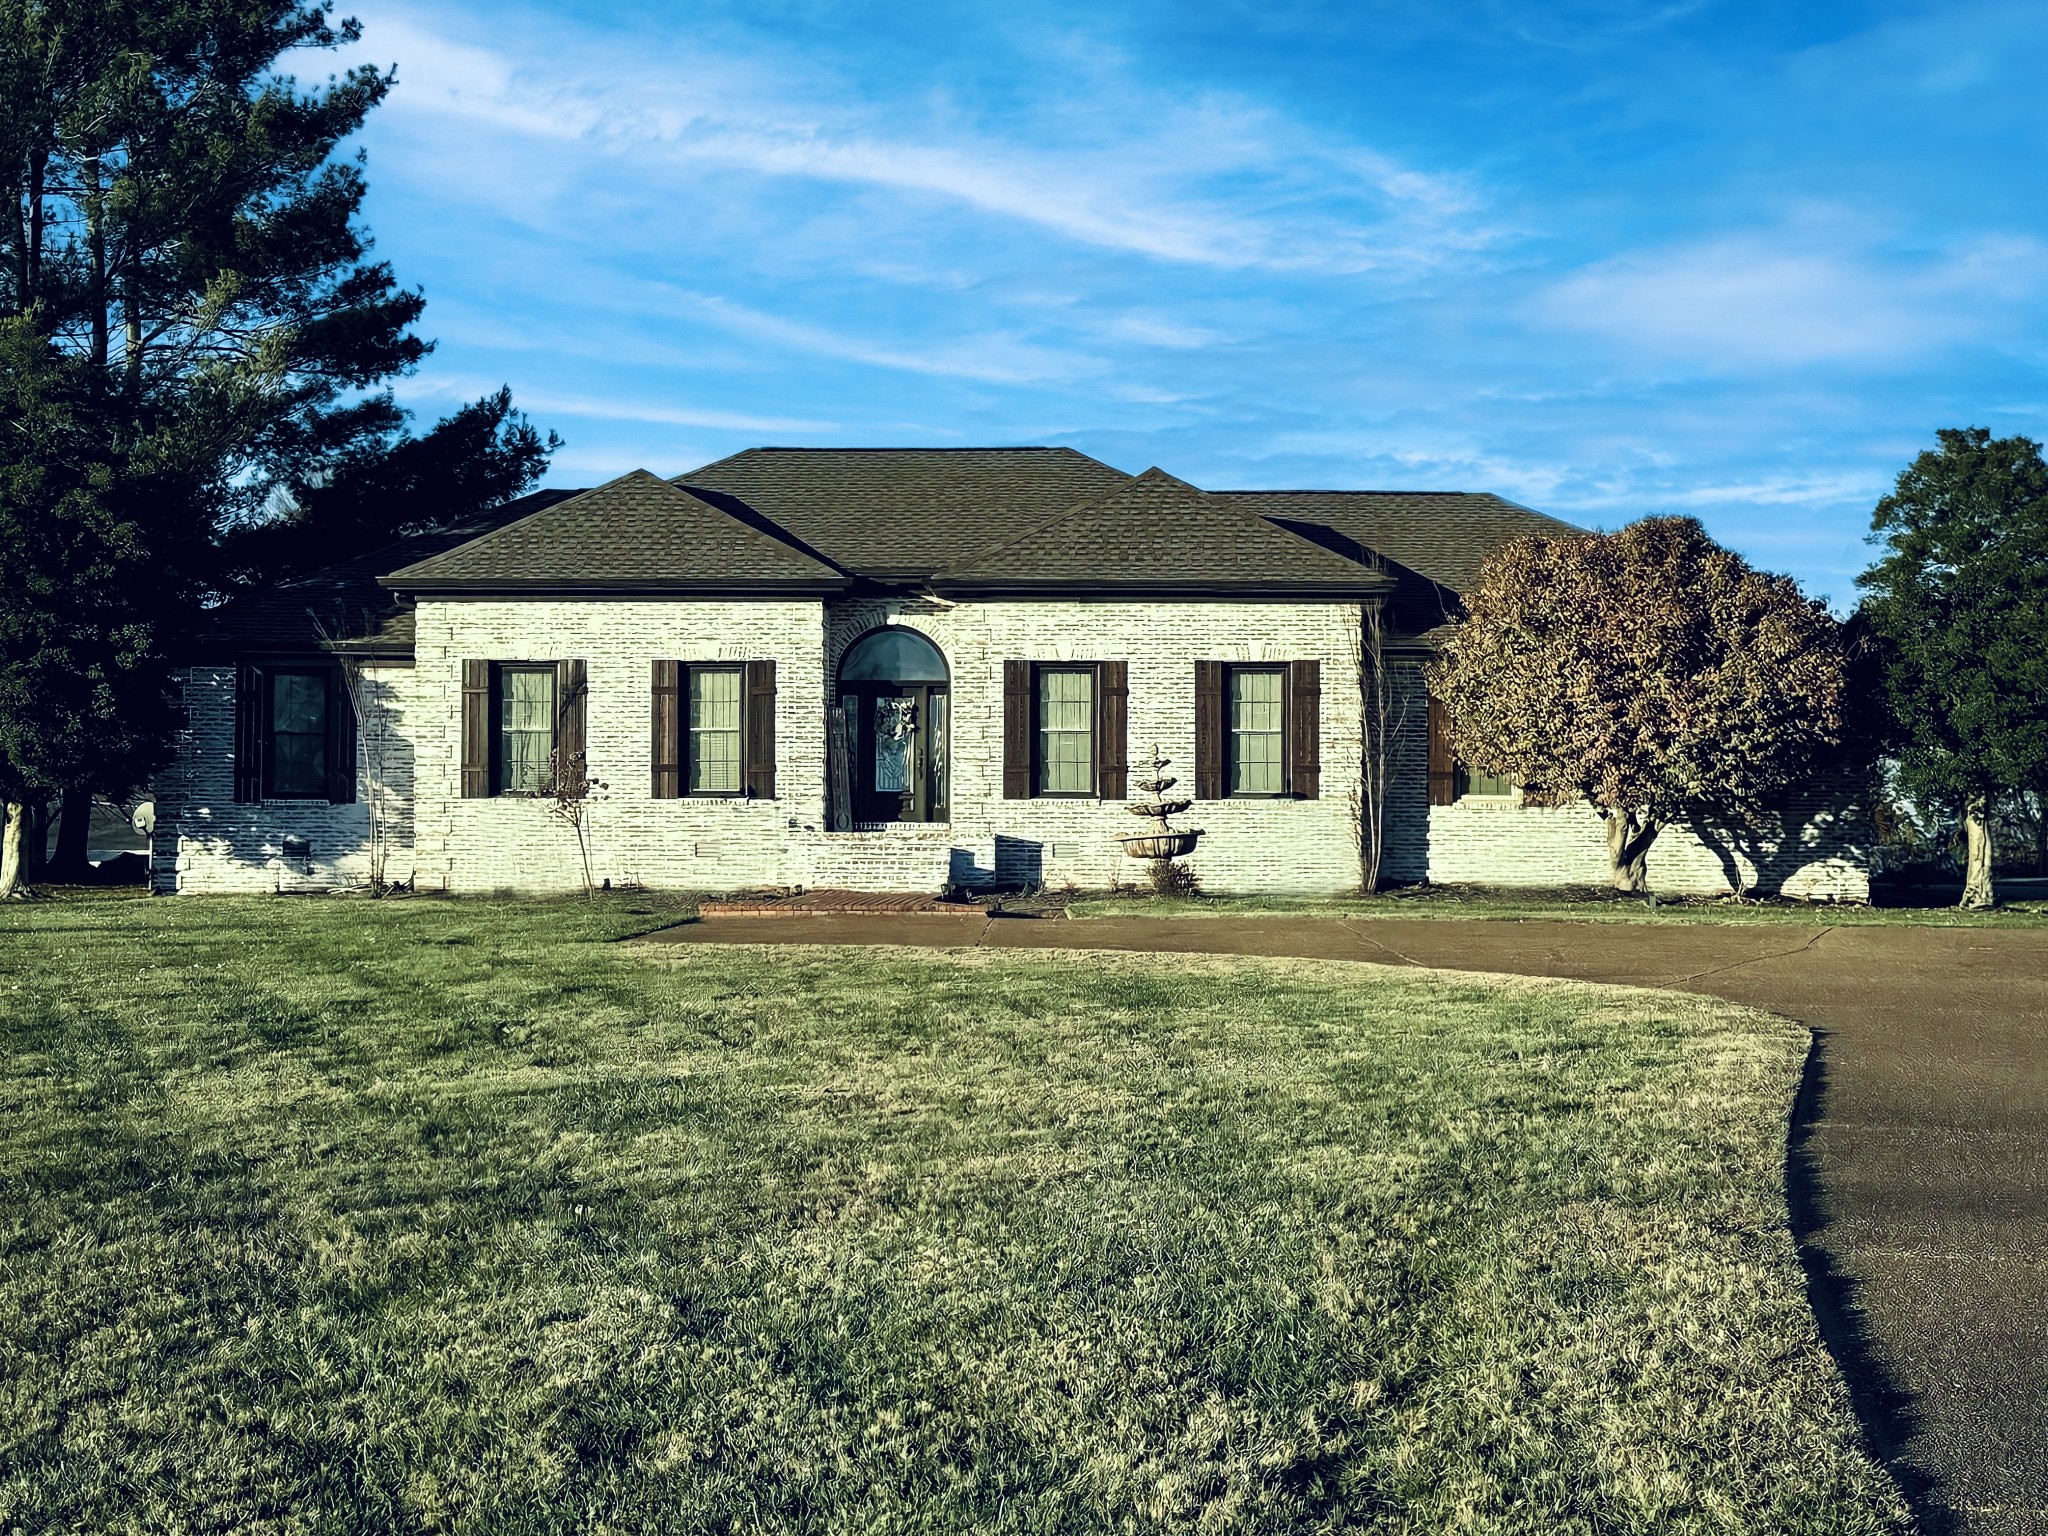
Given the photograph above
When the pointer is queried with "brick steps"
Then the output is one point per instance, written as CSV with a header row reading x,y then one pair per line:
x,y
836,903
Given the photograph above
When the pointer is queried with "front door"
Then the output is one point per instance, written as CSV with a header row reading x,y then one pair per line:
x,y
898,749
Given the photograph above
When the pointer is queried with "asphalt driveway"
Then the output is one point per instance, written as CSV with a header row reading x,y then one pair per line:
x,y
1919,1165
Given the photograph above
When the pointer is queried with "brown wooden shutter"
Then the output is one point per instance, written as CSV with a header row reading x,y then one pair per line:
x,y
759,723
1208,730
476,730
1016,730
1443,767
1305,729
249,715
572,740
667,754
341,740
1112,748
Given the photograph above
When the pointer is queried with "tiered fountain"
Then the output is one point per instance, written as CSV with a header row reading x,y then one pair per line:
x,y
1165,843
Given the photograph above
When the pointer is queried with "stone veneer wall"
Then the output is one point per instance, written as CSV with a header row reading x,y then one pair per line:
x,y
204,842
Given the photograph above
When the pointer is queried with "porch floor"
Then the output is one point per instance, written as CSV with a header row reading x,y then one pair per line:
x,y
833,903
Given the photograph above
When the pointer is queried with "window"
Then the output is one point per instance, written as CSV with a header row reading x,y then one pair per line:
x,y
296,764
526,729
713,761
1490,786
1258,730
1066,731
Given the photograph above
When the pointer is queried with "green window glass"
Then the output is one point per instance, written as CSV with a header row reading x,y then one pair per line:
x,y
714,730
298,735
1258,732
1066,730
1496,786
526,730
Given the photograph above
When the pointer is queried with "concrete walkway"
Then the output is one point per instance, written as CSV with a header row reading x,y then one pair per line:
x,y
1919,1176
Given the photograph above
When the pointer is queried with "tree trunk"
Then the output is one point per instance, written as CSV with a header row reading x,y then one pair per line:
x,y
1977,889
1628,850
74,839
10,852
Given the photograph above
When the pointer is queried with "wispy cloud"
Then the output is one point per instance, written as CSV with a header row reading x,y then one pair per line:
x,y
1789,299
626,407
1201,178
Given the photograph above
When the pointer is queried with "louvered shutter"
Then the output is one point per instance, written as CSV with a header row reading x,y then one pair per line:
x,y
1208,730
476,730
1113,738
572,742
341,740
1305,729
1016,730
667,750
759,723
1443,768
249,715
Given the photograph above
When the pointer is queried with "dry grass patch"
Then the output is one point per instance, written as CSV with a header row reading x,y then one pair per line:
x,y
325,1217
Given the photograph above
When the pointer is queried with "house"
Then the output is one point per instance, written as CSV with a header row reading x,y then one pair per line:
x,y
879,669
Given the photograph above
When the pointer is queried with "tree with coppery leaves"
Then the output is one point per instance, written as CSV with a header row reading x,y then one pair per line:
x,y
1649,672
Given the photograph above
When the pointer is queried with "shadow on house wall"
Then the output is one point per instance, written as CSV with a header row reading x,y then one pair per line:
x,y
1760,853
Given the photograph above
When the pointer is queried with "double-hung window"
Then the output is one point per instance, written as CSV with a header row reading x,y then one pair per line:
x,y
299,705
1257,701
714,763
526,728
1065,759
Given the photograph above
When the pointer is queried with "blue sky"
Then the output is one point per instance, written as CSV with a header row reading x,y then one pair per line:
x,y
1609,259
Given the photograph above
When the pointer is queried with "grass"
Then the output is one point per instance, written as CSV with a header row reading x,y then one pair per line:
x,y
1560,906
436,1216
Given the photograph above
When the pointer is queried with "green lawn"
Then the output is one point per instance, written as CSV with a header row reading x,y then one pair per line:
x,y
326,1216
1509,906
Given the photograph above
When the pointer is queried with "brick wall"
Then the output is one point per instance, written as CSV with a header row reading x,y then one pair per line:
x,y
204,842
688,844
1818,850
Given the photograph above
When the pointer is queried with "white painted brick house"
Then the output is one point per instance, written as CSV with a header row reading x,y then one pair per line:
x,y
879,670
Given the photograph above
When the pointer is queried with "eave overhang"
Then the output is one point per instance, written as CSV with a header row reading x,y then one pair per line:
x,y
556,586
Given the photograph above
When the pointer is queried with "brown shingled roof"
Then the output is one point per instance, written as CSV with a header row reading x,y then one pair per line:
x,y
635,533
905,512
1158,533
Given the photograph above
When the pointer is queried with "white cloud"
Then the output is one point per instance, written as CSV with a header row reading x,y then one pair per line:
x,y
545,402
1789,300
1208,180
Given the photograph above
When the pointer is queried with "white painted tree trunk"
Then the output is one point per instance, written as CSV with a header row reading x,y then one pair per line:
x,y
1977,888
10,851
1628,850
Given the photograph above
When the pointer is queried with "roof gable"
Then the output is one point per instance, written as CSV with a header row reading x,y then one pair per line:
x,y
1155,532
635,533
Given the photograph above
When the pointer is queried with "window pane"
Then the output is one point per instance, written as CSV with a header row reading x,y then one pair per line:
x,y
714,731
1495,785
895,730
1066,731
526,725
893,656
298,734
935,749
1257,733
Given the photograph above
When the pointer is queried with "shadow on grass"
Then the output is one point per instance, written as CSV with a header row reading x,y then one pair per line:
x,y
1889,1414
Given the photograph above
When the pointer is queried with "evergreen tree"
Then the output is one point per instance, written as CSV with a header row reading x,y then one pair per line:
x,y
1958,608
181,226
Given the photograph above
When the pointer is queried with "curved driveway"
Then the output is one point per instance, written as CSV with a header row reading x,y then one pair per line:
x,y
1919,1169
